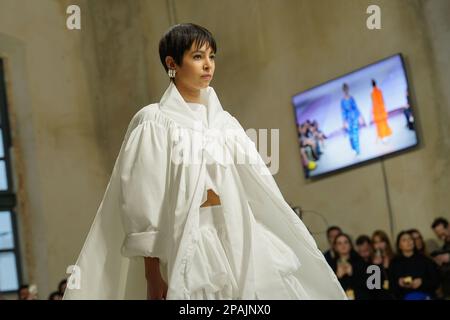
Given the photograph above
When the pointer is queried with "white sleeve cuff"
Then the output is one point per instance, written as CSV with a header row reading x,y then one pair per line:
x,y
141,244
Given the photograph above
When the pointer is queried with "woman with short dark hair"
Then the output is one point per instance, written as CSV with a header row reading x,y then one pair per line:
x,y
191,198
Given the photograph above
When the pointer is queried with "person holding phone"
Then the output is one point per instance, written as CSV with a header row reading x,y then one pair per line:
x,y
413,276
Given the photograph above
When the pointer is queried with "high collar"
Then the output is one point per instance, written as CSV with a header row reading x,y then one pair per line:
x,y
175,107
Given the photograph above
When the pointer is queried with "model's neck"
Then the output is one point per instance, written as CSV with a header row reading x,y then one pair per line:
x,y
189,94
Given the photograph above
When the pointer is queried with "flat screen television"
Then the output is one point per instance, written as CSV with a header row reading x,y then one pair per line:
x,y
360,116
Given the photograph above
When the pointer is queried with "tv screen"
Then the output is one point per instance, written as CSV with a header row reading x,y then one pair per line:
x,y
357,117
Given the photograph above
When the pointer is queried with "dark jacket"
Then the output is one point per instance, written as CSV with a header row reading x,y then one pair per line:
x,y
416,266
358,280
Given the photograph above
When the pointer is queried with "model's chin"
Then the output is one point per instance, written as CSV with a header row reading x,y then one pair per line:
x,y
204,83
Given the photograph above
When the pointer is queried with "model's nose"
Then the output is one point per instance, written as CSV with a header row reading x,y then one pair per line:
x,y
208,64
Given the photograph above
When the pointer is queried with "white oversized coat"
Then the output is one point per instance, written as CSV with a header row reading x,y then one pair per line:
x,y
151,208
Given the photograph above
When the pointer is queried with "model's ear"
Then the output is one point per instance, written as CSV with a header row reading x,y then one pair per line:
x,y
170,62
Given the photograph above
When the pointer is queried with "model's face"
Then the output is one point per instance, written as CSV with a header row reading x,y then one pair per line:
x,y
442,232
342,245
197,68
406,243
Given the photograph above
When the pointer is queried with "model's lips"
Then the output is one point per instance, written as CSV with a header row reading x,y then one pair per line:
x,y
207,76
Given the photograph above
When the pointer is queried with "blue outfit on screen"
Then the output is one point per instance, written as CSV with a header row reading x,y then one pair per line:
x,y
351,114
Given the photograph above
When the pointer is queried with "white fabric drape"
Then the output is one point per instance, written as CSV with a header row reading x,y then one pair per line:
x,y
151,207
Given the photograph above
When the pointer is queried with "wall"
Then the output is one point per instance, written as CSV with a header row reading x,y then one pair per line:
x,y
74,93
57,144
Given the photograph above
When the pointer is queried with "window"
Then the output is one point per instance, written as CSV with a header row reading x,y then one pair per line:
x,y
10,273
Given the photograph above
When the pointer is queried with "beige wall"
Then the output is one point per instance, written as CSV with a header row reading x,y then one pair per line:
x,y
72,94
274,49
57,144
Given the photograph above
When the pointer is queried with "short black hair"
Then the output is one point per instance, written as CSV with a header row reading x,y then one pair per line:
x,y
22,287
179,38
332,228
439,221
363,239
412,230
374,83
60,284
53,295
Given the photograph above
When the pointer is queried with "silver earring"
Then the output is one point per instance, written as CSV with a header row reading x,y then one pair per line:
x,y
171,73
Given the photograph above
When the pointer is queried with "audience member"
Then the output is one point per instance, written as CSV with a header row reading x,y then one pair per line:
x,y
350,268
332,232
364,248
441,228
413,276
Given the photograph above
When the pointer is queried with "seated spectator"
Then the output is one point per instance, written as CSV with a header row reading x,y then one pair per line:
x,y
307,141
25,292
408,114
332,232
306,149
55,295
418,241
383,253
382,257
413,276
350,268
318,136
364,248
441,228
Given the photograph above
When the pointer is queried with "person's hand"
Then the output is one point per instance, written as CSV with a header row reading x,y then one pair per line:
x,y
345,125
417,282
344,269
402,283
340,271
442,259
156,288
437,260
386,262
348,269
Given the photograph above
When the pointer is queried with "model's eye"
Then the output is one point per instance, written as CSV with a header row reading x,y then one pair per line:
x,y
213,56
197,56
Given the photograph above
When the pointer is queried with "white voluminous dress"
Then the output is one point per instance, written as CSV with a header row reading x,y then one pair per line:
x,y
251,246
